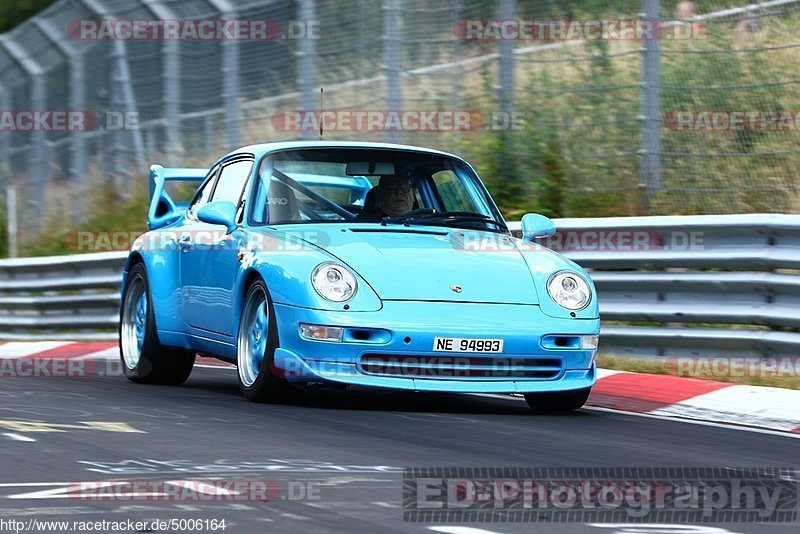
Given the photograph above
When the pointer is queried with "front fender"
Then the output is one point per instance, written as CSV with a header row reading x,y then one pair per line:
x,y
286,262
543,263
163,276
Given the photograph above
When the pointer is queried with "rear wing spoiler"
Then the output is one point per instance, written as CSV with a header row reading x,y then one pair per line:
x,y
163,210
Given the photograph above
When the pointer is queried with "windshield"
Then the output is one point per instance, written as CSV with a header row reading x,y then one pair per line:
x,y
370,186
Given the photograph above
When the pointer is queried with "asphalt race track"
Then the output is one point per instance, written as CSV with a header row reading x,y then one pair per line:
x,y
346,449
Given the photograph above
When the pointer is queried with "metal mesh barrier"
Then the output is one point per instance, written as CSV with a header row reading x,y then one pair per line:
x,y
701,118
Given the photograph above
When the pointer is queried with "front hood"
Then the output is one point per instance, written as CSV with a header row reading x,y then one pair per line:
x,y
424,263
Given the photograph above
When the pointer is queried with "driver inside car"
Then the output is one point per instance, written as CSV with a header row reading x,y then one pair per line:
x,y
393,197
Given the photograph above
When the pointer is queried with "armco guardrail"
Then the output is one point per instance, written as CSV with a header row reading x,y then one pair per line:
x,y
60,297
668,286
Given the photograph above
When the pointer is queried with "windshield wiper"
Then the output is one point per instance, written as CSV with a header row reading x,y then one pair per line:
x,y
444,216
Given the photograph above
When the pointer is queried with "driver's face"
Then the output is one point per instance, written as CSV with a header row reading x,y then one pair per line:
x,y
396,197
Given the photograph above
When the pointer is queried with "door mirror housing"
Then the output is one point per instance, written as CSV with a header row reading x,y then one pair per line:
x,y
220,212
535,226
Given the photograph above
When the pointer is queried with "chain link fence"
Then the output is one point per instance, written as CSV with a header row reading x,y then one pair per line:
x,y
561,120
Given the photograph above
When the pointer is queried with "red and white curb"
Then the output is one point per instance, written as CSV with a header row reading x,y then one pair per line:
x,y
94,351
706,400
659,395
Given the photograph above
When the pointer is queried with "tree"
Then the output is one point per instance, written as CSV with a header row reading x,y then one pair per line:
x,y
16,12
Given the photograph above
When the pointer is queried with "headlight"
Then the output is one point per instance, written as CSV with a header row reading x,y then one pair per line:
x,y
569,290
333,282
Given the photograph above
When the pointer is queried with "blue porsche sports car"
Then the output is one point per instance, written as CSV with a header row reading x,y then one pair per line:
x,y
324,263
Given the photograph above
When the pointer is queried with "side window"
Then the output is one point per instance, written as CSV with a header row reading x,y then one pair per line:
x,y
203,194
231,181
452,192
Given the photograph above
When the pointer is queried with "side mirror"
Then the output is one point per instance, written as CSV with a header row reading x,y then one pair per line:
x,y
220,212
536,226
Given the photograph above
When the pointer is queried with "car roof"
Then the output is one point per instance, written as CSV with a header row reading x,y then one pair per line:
x,y
265,148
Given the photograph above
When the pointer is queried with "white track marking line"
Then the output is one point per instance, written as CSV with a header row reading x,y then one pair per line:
x,y
662,528
33,484
21,349
656,415
75,490
111,353
676,419
605,373
462,530
18,437
52,493
696,406
756,405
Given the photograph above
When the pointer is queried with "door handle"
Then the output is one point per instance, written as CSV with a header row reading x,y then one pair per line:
x,y
185,242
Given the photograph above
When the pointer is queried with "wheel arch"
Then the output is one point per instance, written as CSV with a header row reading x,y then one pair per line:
x,y
162,280
247,278
133,258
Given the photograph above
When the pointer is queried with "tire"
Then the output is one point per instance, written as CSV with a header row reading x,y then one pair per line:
x,y
558,401
256,341
144,359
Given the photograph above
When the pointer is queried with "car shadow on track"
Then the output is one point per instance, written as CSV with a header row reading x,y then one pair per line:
x,y
380,400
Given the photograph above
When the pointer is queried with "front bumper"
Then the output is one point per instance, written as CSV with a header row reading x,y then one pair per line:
x,y
412,327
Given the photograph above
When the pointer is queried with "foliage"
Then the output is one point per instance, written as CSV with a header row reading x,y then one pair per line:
x,y
109,214
17,11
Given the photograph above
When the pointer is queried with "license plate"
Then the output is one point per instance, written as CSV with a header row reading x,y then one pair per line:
x,y
455,344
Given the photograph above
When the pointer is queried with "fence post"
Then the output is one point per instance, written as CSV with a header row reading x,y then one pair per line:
x,y
12,227
124,99
208,134
39,159
230,77
171,80
393,62
230,92
505,51
650,168
77,101
306,74
172,99
5,144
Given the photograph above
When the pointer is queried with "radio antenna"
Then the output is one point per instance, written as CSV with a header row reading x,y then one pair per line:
x,y
321,109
